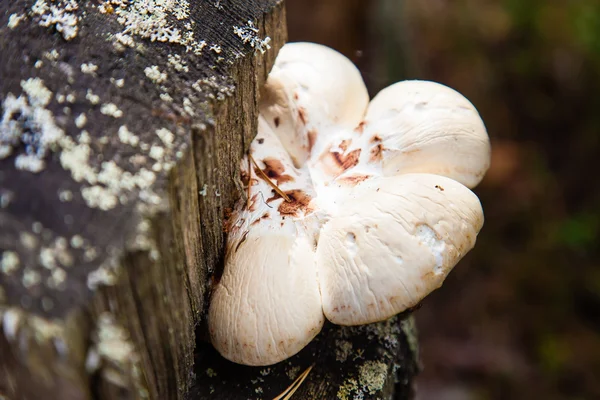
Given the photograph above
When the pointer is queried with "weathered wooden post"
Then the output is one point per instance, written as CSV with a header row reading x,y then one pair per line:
x,y
122,125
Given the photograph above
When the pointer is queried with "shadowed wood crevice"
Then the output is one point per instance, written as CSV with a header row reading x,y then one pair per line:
x,y
375,361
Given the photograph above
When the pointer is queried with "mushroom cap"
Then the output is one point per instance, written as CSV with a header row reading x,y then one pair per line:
x,y
393,242
309,88
375,212
428,127
267,305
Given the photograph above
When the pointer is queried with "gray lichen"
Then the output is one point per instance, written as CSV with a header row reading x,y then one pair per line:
x,y
60,14
249,34
26,122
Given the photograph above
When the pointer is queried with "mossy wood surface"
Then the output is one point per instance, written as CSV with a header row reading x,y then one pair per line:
x,y
122,128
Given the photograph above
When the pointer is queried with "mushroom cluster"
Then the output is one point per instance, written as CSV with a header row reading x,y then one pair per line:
x,y
356,210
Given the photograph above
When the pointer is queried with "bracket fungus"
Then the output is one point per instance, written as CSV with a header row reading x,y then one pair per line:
x,y
357,210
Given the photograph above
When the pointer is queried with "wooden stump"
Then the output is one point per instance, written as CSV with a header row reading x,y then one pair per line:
x,y
123,123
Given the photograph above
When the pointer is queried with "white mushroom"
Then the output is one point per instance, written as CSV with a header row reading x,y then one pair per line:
x,y
392,243
356,211
428,127
311,88
267,305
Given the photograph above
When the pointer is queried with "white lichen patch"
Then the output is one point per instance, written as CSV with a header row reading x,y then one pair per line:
x,y
14,20
75,158
178,63
214,88
118,82
52,55
249,35
103,276
26,121
77,241
91,97
188,107
81,120
6,197
57,279
116,354
154,20
10,262
111,109
65,195
166,136
109,184
124,40
99,197
89,68
84,137
155,75
127,137
166,97
56,255
157,152
11,322
60,14
30,278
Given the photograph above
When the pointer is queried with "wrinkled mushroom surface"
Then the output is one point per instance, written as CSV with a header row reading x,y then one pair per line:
x,y
371,212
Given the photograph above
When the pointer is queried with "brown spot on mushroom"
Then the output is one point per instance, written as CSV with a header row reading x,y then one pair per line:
x,y
348,160
275,169
264,216
335,163
276,122
227,222
361,127
296,96
299,203
438,187
375,139
352,180
312,139
260,140
241,241
376,153
245,177
345,144
253,203
302,115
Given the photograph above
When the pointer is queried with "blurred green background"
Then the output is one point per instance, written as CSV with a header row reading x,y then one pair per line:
x,y
519,317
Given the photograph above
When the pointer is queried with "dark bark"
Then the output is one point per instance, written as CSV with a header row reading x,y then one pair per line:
x,y
106,262
122,130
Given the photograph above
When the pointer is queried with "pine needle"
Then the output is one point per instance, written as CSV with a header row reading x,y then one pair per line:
x,y
268,180
249,181
287,393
